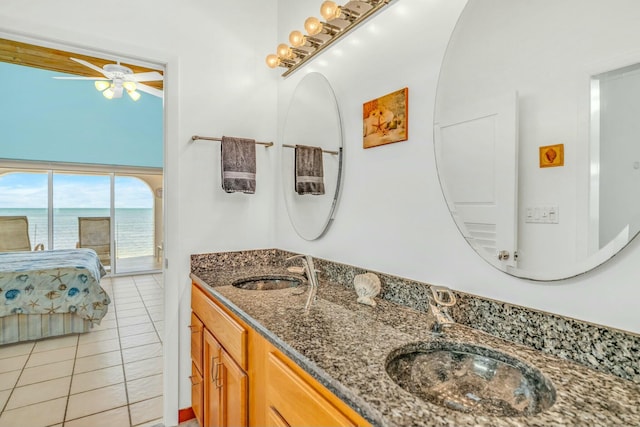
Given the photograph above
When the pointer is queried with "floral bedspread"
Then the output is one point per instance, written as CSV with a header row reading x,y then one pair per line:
x,y
57,281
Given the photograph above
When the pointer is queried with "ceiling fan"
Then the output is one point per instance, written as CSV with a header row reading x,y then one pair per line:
x,y
118,78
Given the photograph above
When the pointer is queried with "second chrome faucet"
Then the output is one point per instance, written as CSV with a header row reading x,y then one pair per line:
x,y
441,299
310,271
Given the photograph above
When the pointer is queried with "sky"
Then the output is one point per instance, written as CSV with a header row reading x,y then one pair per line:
x,y
29,190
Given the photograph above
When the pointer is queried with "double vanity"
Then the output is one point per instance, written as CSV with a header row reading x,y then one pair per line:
x,y
385,365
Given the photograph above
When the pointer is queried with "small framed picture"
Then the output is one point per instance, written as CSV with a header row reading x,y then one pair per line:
x,y
552,155
384,119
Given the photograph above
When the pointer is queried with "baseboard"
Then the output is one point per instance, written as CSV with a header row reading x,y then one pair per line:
x,y
185,414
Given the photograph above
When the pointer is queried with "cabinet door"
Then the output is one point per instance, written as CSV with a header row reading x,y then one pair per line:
x,y
295,401
233,393
225,387
212,362
196,341
197,393
274,419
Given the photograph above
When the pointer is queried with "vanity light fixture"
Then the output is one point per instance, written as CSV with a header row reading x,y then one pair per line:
x,y
339,20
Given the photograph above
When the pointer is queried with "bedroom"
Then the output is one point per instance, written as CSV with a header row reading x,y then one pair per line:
x,y
50,178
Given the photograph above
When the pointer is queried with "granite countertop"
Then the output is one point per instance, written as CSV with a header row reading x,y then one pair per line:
x,y
344,345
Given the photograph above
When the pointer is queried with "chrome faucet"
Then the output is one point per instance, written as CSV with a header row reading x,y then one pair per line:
x,y
310,271
441,299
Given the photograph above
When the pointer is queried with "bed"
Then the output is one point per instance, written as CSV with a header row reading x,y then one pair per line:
x,y
50,293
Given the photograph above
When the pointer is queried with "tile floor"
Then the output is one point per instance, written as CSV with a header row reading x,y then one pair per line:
x,y
111,376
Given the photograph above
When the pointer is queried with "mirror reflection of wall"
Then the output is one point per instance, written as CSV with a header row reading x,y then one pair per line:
x,y
615,112
313,119
550,53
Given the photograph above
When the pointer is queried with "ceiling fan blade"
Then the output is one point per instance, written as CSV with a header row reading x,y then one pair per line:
x,y
147,77
150,90
81,78
90,65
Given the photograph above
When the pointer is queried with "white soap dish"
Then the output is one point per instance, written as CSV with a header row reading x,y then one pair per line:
x,y
367,287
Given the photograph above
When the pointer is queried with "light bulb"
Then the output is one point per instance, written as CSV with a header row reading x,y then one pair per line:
x,y
330,10
108,93
134,95
129,85
272,61
313,26
101,84
284,51
297,39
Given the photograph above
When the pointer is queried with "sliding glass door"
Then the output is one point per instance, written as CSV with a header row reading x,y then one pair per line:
x,y
135,225
77,196
25,193
56,201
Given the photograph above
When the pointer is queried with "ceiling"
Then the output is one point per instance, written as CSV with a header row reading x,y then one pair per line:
x,y
58,60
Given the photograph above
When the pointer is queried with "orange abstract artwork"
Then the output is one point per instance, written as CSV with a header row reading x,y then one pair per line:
x,y
384,119
552,155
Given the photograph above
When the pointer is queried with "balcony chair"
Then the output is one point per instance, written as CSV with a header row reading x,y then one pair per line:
x,y
14,234
95,233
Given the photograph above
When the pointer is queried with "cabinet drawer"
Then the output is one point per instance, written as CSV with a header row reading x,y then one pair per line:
x,y
196,341
229,333
197,393
292,401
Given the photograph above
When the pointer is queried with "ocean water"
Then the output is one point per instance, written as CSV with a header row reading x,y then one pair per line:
x,y
134,228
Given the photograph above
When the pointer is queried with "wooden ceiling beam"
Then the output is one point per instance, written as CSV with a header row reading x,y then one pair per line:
x,y
29,55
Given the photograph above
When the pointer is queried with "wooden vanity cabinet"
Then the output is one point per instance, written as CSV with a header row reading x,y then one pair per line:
x,y
247,381
197,385
222,353
295,398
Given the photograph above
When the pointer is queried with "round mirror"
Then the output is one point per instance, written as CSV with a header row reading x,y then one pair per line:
x,y
536,128
313,120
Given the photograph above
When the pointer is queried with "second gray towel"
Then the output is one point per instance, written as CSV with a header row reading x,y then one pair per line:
x,y
309,170
238,158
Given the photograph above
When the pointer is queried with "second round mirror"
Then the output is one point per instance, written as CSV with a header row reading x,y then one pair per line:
x,y
313,120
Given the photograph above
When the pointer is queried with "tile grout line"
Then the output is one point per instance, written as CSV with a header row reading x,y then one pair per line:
x,y
33,346
147,310
124,371
73,368
154,328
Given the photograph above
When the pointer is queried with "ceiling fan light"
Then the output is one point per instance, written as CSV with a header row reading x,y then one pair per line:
x,y
134,95
129,85
108,93
101,84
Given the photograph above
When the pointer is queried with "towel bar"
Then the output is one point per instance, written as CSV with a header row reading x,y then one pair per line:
x,y
208,138
324,151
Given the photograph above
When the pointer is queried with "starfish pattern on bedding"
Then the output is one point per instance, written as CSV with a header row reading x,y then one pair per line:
x,y
58,276
52,309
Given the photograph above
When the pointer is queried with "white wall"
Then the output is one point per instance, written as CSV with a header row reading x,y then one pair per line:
x,y
217,84
392,216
